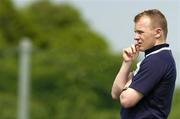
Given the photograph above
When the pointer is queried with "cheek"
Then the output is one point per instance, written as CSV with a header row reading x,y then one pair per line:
x,y
146,44
149,43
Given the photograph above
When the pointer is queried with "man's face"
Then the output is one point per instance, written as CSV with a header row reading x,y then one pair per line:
x,y
144,34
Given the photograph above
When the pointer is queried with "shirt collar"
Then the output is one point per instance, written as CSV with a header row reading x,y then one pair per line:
x,y
156,48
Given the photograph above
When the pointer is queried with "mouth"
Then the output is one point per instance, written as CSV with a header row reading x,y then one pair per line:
x,y
139,43
138,46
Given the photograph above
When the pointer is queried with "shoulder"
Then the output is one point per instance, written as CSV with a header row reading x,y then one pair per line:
x,y
162,59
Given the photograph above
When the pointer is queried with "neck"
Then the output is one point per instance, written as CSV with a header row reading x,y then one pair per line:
x,y
160,41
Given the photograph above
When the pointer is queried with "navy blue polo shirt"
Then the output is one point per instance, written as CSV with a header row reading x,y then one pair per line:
x,y
155,79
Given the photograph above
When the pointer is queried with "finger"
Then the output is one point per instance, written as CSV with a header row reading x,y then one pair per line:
x,y
127,52
133,48
130,51
137,47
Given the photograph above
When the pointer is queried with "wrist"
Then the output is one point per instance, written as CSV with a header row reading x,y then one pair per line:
x,y
127,63
126,67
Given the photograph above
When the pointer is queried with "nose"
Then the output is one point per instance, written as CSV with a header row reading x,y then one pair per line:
x,y
136,37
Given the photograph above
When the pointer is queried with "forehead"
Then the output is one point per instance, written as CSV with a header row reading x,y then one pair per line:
x,y
143,23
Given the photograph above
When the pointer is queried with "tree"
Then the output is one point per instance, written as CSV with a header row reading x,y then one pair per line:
x,y
11,26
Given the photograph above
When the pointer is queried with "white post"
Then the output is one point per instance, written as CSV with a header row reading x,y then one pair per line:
x,y
24,71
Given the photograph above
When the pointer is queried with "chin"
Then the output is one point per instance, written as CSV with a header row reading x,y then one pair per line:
x,y
141,49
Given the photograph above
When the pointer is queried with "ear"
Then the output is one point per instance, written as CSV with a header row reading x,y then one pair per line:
x,y
158,33
157,36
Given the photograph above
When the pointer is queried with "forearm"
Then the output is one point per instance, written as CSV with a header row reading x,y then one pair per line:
x,y
121,80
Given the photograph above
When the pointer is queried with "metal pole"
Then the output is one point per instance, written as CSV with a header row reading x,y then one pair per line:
x,y
24,77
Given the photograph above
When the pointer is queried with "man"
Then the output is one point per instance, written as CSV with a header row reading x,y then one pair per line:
x,y
147,93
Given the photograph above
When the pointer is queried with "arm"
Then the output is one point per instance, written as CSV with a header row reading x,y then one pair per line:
x,y
129,54
120,80
130,98
120,91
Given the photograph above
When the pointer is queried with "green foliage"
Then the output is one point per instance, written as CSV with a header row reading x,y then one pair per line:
x,y
60,26
72,69
11,26
175,105
79,83
8,106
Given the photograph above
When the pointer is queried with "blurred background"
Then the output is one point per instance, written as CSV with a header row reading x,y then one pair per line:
x,y
59,58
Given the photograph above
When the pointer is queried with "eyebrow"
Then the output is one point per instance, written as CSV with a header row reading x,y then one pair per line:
x,y
139,31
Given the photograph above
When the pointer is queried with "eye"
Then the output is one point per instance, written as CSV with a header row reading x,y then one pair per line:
x,y
139,32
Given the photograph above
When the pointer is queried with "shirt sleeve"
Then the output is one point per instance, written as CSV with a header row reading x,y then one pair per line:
x,y
150,73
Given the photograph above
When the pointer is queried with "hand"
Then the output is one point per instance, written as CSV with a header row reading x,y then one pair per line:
x,y
131,53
